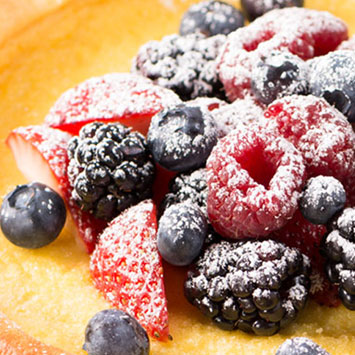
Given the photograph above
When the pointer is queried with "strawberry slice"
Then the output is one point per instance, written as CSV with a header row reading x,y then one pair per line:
x,y
127,268
118,97
41,155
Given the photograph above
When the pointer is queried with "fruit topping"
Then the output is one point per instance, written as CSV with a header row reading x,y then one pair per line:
x,y
127,268
211,18
300,346
126,98
114,332
303,32
255,286
110,169
277,75
184,64
349,44
322,197
254,9
181,234
321,133
32,215
254,179
333,78
243,111
338,247
182,137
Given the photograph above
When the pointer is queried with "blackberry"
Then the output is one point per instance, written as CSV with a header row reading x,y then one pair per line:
x,y
113,331
321,199
211,18
182,137
110,169
255,286
300,346
333,78
254,9
338,246
184,64
280,74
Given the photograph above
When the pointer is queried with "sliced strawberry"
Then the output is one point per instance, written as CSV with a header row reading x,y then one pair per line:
x,y
127,268
41,155
120,97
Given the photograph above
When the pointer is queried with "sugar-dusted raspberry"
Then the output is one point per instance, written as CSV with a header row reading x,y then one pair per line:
x,y
254,179
321,133
301,234
303,32
349,44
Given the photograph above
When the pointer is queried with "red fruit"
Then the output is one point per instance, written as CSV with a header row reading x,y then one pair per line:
x,y
321,133
303,32
41,155
118,97
254,179
304,235
349,44
127,268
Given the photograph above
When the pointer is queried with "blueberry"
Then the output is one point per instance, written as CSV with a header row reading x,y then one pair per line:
x,y
32,215
254,9
278,75
321,199
300,346
333,78
181,233
114,332
181,138
211,18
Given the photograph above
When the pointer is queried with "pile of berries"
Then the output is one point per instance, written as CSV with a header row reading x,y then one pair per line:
x,y
284,170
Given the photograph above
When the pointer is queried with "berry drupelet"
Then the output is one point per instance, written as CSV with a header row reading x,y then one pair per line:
x,y
255,286
113,331
333,78
211,18
321,199
32,215
182,137
184,64
280,74
110,169
254,9
338,246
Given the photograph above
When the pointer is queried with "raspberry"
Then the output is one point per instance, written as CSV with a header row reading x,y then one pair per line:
x,y
349,44
254,286
303,32
301,234
321,133
254,179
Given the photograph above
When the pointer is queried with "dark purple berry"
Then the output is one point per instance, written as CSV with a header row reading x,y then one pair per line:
x,y
256,8
32,215
321,199
114,332
181,233
181,138
280,74
211,18
333,78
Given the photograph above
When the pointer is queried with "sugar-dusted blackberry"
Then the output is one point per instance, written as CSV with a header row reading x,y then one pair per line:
x,y
184,64
253,9
254,286
182,137
211,18
322,198
279,74
110,169
338,246
300,346
333,78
